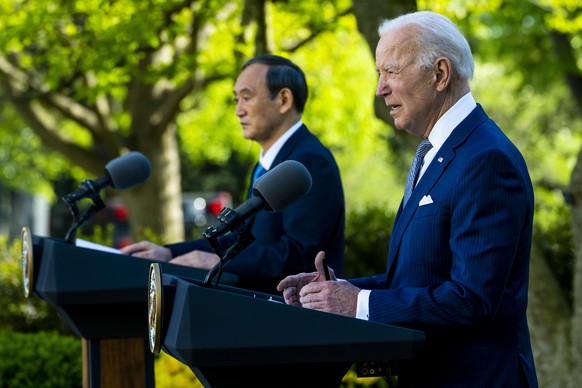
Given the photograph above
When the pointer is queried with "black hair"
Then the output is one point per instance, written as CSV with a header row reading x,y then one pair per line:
x,y
283,73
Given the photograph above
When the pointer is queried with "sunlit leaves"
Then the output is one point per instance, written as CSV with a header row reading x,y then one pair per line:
x,y
24,164
563,15
511,32
294,21
459,9
211,132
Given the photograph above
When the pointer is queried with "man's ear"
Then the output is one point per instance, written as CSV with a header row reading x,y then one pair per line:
x,y
286,100
443,73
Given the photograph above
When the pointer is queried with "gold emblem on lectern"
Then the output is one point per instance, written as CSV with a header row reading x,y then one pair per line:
x,y
155,308
27,262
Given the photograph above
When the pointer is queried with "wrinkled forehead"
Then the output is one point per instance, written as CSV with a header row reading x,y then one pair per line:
x,y
399,43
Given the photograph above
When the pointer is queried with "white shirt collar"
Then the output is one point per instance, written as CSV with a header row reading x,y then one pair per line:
x,y
445,126
266,159
450,120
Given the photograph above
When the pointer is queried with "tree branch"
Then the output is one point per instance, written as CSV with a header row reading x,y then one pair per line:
x,y
329,27
45,126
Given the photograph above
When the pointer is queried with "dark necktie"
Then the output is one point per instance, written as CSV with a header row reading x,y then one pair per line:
x,y
417,163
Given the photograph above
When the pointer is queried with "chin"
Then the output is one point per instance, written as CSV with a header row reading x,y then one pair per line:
x,y
399,126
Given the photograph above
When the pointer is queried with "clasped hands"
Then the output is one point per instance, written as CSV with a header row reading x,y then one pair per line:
x,y
311,290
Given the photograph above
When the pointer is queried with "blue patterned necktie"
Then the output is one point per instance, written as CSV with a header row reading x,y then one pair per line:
x,y
259,172
417,163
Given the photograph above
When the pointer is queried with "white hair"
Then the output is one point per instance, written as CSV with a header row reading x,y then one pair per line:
x,y
438,37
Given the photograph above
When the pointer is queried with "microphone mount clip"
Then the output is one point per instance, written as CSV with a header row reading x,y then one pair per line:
x,y
71,200
229,220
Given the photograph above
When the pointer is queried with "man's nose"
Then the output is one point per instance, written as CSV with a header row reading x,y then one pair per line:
x,y
239,111
383,89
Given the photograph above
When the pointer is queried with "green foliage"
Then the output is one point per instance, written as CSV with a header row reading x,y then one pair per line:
x,y
17,312
24,164
40,360
172,373
514,33
367,236
211,132
553,234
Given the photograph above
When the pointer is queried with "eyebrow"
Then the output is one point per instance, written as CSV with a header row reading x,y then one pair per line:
x,y
390,68
244,90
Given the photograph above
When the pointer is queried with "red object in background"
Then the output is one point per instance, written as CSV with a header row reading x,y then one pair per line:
x,y
120,213
215,205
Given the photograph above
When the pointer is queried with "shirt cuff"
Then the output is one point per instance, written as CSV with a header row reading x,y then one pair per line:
x,y
363,310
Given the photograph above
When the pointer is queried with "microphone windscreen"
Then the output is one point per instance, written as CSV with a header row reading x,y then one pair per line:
x,y
128,170
283,184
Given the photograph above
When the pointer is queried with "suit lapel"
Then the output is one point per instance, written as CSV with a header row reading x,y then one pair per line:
x,y
290,145
442,159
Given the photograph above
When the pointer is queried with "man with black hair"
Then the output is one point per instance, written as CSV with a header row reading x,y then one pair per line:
x,y
270,95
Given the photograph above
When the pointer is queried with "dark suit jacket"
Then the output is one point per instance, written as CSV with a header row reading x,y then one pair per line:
x,y
287,241
458,267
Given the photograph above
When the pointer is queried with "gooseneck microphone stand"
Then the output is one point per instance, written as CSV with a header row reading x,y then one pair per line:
x,y
226,217
79,219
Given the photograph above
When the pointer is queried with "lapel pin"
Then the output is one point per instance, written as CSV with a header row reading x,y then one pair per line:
x,y
440,159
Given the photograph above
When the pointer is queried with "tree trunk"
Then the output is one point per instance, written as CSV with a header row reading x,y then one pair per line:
x,y
549,323
576,214
565,53
157,202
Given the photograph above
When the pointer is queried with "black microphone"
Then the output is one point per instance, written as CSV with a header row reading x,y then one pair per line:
x,y
120,173
283,184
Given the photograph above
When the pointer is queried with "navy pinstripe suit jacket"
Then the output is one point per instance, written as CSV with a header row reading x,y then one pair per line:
x,y
458,267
